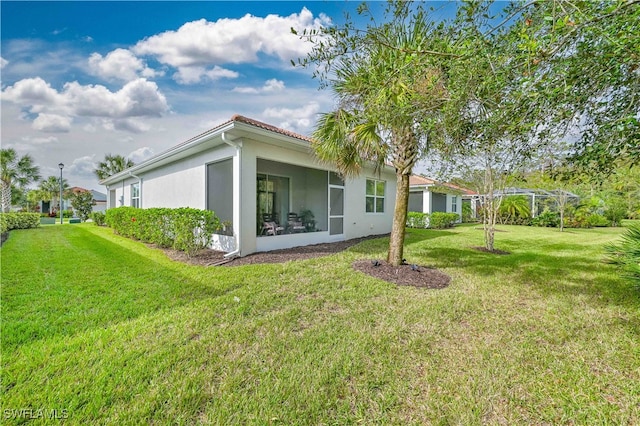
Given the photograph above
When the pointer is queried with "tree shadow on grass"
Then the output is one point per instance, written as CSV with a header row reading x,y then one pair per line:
x,y
82,281
412,237
548,274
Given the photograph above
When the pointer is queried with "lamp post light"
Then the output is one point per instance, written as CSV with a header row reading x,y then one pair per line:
x,y
61,167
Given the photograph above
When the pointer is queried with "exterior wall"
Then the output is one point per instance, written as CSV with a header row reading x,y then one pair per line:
x,y
122,191
179,184
359,223
425,196
458,209
183,183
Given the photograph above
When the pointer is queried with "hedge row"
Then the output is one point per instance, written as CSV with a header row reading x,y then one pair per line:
x,y
9,221
435,220
183,229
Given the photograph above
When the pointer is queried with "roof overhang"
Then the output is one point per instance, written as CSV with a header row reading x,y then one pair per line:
x,y
233,130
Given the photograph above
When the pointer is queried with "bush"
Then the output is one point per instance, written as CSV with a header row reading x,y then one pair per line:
x,y
440,220
417,220
467,213
9,221
627,254
183,229
598,220
98,218
615,211
547,219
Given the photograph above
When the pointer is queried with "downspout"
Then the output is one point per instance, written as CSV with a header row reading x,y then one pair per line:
x,y
139,188
238,147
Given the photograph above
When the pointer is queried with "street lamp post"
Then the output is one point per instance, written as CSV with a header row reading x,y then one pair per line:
x,y
61,167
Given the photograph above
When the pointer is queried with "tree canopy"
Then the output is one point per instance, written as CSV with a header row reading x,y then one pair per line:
x,y
15,172
111,165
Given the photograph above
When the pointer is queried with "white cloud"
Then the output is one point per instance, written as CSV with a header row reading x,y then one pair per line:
x,y
269,86
202,43
119,64
40,141
56,110
83,166
141,154
298,120
131,125
3,62
52,123
32,91
137,98
190,75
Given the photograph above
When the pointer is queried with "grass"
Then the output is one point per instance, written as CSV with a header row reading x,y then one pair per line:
x,y
113,332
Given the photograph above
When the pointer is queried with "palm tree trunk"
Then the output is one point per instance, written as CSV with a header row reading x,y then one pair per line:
x,y
6,196
398,229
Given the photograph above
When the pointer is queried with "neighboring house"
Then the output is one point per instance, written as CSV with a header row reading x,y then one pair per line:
x,y
429,196
264,183
99,201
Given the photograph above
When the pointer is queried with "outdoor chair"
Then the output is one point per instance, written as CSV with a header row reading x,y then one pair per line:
x,y
294,224
270,226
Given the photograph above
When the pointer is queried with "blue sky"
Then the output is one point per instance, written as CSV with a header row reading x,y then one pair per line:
x,y
83,79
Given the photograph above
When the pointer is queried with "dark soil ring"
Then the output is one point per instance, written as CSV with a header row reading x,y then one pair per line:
x,y
420,276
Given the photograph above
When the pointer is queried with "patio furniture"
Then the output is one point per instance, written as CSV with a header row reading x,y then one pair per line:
x,y
270,226
294,224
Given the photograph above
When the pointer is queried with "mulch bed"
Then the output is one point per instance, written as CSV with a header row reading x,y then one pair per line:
x,y
3,238
420,276
216,258
408,275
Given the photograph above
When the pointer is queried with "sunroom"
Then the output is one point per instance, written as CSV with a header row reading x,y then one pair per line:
x,y
292,200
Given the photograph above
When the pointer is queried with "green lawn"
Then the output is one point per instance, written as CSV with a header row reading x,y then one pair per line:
x,y
113,332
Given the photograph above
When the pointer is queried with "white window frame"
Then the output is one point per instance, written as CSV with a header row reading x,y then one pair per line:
x,y
135,194
454,203
375,196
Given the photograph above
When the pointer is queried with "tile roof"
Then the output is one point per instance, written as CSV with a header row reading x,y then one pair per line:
x,y
422,180
265,126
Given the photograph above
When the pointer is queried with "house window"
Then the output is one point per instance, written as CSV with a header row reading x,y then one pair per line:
x,y
454,203
375,196
135,194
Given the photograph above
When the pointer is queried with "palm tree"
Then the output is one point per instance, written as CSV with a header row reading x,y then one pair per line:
x,y
515,206
111,165
50,189
15,171
387,103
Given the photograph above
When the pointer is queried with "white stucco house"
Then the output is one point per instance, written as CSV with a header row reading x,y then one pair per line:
x,y
263,182
428,196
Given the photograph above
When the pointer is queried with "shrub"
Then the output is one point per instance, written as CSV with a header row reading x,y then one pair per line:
x,y
184,229
615,211
417,220
626,254
547,219
9,221
440,220
467,213
98,218
598,220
